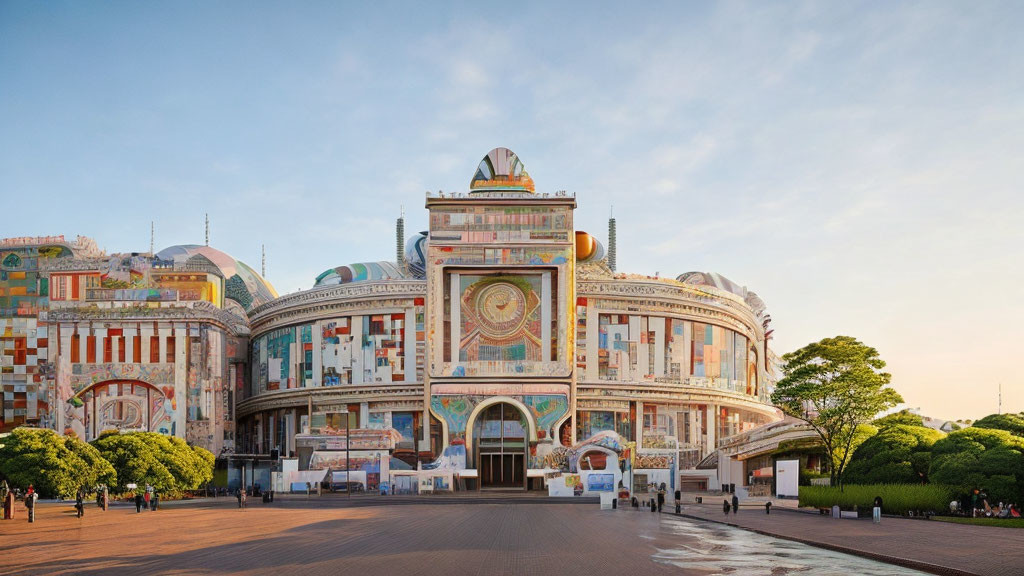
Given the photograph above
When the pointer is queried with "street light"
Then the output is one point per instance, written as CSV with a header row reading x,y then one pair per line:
x,y
348,445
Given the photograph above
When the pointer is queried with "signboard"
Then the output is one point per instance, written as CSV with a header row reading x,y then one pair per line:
x,y
601,483
787,478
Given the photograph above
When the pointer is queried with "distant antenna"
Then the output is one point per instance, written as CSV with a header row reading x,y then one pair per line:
x,y
400,238
263,267
611,238
207,228
152,236
1000,397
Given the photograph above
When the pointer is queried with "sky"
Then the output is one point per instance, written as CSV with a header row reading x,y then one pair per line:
x,y
858,165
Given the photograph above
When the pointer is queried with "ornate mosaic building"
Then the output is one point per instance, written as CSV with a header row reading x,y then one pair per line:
x,y
503,332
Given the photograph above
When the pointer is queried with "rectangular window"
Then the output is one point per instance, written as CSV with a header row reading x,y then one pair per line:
x,y
108,348
170,350
154,350
76,349
90,349
137,349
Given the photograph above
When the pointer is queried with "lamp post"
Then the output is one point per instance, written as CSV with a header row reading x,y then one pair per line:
x,y
348,447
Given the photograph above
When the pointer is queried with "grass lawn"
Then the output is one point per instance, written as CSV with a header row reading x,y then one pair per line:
x,y
1004,522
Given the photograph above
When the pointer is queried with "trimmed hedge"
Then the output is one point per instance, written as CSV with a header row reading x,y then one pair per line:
x,y
896,498
898,454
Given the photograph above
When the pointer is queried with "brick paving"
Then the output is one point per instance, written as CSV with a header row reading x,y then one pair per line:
x,y
938,547
316,538
328,536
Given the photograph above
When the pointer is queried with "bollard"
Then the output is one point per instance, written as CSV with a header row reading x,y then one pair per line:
x,y
679,508
767,507
615,503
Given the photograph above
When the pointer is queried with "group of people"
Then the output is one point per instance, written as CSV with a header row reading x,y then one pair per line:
x,y
976,505
149,499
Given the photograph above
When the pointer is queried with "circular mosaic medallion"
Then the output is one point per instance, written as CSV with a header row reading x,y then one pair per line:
x,y
501,309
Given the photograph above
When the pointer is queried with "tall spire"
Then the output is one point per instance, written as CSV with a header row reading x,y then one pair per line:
x,y
400,238
263,266
207,228
611,238
152,236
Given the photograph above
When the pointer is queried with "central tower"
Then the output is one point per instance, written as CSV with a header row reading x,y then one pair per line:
x,y
500,293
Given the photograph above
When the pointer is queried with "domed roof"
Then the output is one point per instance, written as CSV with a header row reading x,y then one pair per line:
x,y
360,272
241,283
712,279
501,170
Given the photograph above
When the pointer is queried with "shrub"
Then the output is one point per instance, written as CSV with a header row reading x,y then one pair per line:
x,y
903,417
898,454
56,466
166,462
980,458
896,498
1012,423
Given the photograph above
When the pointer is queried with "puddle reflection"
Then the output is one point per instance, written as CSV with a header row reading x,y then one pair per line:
x,y
706,548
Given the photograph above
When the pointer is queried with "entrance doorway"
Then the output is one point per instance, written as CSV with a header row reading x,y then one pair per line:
x,y
499,438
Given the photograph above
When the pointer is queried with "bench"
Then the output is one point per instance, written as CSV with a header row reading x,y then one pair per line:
x,y
766,505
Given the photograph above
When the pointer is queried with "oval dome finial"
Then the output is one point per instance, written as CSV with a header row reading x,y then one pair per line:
x,y
501,169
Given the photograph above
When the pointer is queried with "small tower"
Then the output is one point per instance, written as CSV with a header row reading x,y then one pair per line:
x,y
611,238
400,239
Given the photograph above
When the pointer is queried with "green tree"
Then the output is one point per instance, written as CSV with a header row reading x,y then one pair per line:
x,y
166,462
835,385
899,454
903,417
981,458
1012,423
55,465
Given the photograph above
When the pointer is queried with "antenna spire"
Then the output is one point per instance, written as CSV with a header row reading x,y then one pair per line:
x,y
207,228
263,266
611,239
152,235
400,238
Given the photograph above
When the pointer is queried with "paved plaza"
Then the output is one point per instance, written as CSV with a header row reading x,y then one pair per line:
x,y
327,536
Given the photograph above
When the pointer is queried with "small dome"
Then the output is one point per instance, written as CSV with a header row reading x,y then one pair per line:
x,y
588,248
501,170
241,283
714,280
416,255
360,272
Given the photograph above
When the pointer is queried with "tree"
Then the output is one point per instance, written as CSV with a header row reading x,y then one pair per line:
x,y
1012,423
55,465
981,458
903,417
166,462
899,454
835,385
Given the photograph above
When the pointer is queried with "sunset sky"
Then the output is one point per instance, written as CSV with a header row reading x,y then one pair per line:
x,y
858,165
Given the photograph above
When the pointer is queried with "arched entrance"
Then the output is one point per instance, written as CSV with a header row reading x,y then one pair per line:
x,y
127,405
500,433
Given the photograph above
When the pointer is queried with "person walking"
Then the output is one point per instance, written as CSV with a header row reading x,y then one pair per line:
x,y
139,501
30,503
661,497
149,494
154,502
238,494
735,503
80,502
876,510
